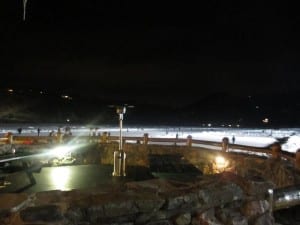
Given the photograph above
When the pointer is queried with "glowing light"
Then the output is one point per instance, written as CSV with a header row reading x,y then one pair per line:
x,y
62,151
10,90
60,177
221,162
66,97
265,120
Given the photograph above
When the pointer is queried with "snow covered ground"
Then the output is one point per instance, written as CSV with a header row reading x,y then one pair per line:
x,y
249,137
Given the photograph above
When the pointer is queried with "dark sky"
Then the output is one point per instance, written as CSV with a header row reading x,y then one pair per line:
x,y
151,48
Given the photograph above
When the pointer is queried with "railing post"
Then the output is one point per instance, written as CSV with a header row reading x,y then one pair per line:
x,y
276,151
59,136
297,160
189,141
225,143
104,137
146,138
10,138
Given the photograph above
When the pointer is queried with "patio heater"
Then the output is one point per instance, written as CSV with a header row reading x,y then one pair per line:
x,y
120,155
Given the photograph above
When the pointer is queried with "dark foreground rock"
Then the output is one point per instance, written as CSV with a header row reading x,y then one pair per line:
x,y
216,200
238,196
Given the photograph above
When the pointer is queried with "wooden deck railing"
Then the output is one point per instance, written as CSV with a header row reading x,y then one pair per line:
x,y
145,139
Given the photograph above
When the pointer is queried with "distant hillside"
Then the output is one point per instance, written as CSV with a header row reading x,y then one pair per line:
x,y
219,109
223,108
48,107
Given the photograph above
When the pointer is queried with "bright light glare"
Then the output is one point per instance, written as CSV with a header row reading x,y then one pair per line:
x,y
60,177
62,151
221,162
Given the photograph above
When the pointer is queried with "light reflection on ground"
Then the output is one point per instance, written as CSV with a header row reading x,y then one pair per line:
x,y
60,178
70,177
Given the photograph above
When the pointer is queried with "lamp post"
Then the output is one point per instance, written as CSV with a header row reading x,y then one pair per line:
x,y
120,156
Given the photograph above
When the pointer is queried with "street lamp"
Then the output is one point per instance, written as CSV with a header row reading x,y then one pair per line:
x,y
120,155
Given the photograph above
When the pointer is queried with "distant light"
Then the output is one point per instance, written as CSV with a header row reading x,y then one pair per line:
x,y
229,125
257,107
68,120
265,120
209,125
10,90
66,97
237,125
41,92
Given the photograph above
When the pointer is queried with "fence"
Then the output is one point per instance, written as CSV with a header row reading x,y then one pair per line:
x,y
274,150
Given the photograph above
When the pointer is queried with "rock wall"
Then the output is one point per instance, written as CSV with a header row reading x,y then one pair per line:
x,y
219,199
137,154
281,172
238,197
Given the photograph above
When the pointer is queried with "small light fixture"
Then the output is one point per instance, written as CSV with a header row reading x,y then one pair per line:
x,y
221,162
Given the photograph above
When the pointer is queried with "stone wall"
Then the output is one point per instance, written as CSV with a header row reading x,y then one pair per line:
x,y
238,197
137,154
219,199
281,172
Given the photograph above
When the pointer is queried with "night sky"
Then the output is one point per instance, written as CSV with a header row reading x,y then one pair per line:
x,y
155,50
